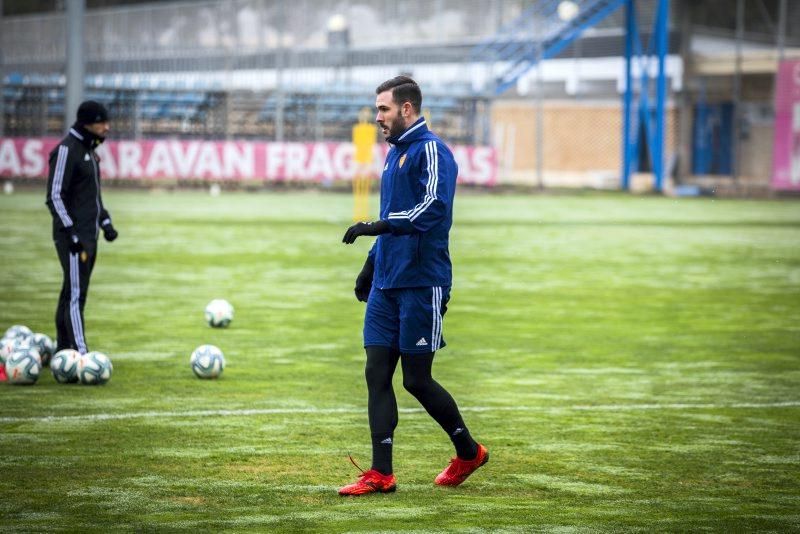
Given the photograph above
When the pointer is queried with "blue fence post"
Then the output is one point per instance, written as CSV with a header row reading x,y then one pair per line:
x,y
628,95
661,32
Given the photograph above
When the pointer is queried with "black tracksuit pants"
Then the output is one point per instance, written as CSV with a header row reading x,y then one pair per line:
x,y
77,269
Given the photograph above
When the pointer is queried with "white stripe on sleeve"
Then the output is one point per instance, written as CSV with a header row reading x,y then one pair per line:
x,y
58,180
433,180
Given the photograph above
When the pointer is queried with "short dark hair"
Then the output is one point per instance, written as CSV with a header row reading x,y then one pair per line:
x,y
404,89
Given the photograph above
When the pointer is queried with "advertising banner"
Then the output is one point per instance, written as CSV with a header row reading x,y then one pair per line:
x,y
219,161
786,151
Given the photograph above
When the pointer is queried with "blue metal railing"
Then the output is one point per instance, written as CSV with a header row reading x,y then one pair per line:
x,y
519,47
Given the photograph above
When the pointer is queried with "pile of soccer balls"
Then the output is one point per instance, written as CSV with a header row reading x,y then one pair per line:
x,y
207,361
23,354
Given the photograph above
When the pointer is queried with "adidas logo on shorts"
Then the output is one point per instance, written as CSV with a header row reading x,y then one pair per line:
x,y
422,342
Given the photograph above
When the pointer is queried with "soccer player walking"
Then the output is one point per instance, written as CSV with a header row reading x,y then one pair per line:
x,y
73,196
406,284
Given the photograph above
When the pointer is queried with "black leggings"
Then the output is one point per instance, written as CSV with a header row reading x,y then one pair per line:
x,y
417,380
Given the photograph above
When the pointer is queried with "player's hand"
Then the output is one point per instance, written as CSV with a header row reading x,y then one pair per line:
x,y
365,228
109,232
364,281
75,245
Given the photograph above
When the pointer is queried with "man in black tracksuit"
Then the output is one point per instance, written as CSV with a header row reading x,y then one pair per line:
x,y
73,196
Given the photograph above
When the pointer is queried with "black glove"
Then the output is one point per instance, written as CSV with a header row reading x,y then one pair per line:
x,y
75,245
108,229
109,233
365,228
364,281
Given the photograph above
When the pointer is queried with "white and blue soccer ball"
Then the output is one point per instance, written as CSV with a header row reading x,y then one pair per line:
x,y
219,313
94,368
18,331
207,361
64,366
44,346
23,366
9,345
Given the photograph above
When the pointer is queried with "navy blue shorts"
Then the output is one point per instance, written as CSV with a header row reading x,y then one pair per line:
x,y
406,319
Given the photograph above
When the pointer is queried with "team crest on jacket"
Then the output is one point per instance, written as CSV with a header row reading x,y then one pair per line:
x,y
402,160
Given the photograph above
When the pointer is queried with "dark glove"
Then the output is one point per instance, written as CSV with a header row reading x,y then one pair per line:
x,y
365,228
75,245
364,281
109,233
108,229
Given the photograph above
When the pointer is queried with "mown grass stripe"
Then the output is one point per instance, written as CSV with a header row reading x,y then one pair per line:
x,y
327,411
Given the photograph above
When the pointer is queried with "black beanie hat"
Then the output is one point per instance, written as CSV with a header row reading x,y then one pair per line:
x,y
90,112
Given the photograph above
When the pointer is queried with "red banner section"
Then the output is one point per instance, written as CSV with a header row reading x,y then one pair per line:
x,y
229,160
786,148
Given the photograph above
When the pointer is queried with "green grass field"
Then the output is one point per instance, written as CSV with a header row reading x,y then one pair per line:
x,y
632,363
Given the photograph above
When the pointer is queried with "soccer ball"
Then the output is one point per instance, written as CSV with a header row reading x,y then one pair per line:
x,y
23,366
94,368
207,361
219,313
18,331
64,366
44,346
9,345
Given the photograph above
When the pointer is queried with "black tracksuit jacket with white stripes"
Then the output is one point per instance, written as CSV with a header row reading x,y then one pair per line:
x,y
73,186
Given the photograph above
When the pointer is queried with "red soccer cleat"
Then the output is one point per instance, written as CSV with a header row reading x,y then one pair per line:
x,y
371,481
3,376
458,470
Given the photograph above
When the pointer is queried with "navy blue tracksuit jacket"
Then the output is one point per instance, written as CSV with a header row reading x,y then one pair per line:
x,y
417,189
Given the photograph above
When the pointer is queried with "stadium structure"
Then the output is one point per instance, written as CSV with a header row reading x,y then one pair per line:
x,y
671,95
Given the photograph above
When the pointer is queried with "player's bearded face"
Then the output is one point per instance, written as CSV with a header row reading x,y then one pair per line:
x,y
398,126
389,117
100,129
